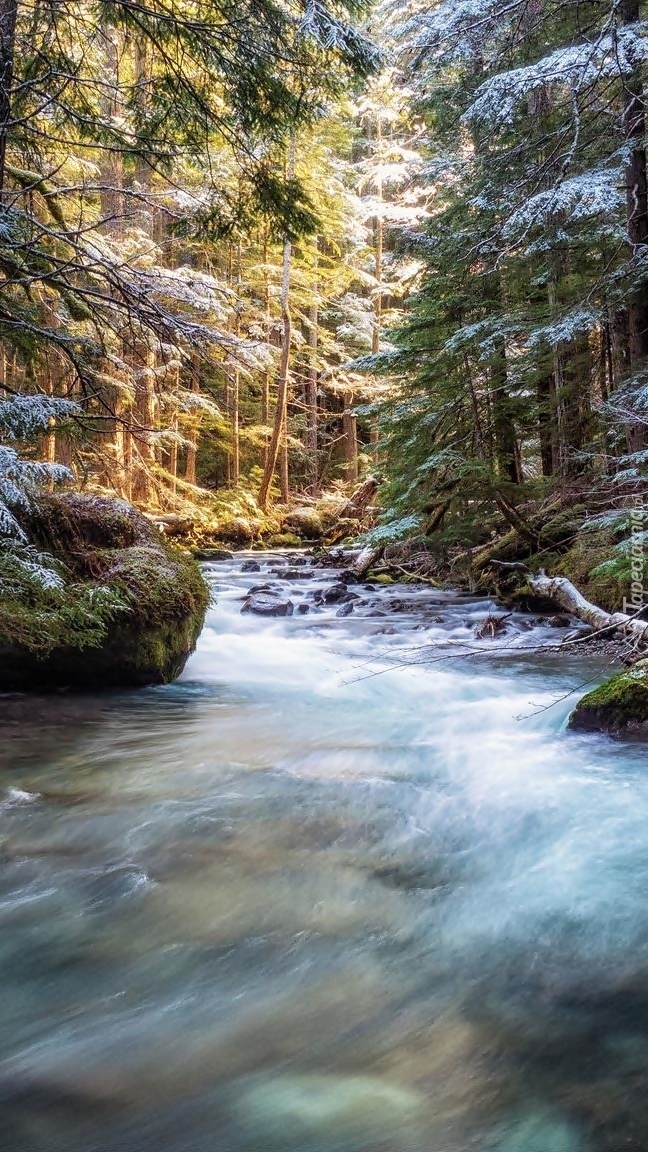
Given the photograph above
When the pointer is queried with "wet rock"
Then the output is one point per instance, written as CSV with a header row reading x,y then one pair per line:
x,y
320,1113
260,588
346,609
251,566
264,604
558,621
336,593
303,609
212,554
618,707
369,587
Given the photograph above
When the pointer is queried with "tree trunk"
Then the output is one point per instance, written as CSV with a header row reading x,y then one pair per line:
x,y
634,125
545,389
350,431
282,383
192,446
144,413
280,429
560,589
112,168
311,392
506,446
8,15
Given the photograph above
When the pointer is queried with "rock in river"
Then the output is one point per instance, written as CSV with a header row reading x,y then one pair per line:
x,y
268,604
619,707
326,1113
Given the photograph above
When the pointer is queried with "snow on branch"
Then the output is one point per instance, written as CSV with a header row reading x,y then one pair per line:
x,y
497,99
597,193
23,416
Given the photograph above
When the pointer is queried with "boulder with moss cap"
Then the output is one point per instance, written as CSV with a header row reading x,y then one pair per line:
x,y
127,611
618,707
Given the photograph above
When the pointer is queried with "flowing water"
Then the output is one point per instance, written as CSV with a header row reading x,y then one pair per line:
x,y
331,892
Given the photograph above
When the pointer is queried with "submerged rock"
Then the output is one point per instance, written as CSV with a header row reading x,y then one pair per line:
x,y
618,707
251,566
325,1113
541,1134
153,595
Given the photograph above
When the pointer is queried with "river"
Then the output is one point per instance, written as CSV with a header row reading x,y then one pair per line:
x,y
339,889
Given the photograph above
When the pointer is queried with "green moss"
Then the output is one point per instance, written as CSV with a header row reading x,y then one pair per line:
x,y
380,578
305,523
619,704
587,565
284,540
126,610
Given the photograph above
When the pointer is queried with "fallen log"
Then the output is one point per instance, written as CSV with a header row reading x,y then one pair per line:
x,y
563,592
366,560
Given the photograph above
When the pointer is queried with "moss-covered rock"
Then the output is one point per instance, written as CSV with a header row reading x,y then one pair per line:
x,y
304,522
284,540
619,707
128,612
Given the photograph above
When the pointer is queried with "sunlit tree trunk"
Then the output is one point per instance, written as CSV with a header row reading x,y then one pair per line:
x,y
379,239
311,391
350,432
144,423
280,429
192,437
112,168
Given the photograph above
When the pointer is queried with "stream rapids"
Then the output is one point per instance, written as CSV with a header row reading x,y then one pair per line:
x,y
341,888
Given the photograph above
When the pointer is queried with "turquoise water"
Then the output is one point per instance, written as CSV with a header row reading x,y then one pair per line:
x,y
334,891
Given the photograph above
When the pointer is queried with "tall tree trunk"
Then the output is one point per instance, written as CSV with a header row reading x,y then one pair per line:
x,y
280,429
144,413
265,394
311,390
350,430
234,375
545,391
282,383
634,125
506,446
112,168
192,445
8,15
379,241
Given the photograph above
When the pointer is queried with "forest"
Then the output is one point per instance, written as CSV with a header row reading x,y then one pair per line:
x,y
256,256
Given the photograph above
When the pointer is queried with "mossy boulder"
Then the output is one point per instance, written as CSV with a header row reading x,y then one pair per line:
x,y
305,523
127,613
284,540
618,707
